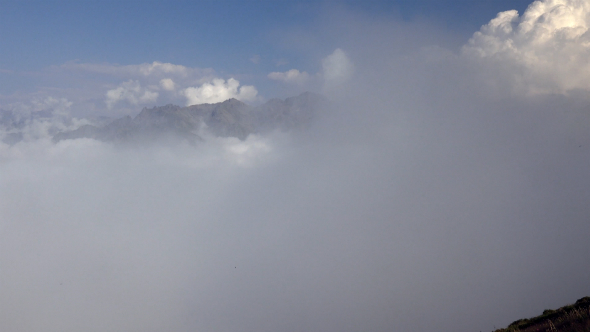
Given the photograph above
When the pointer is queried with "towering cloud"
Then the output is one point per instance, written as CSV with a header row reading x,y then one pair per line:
x,y
337,68
546,50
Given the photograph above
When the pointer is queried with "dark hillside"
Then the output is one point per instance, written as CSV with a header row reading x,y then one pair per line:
x,y
570,318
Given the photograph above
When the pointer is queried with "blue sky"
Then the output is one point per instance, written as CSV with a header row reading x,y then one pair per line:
x,y
40,41
217,34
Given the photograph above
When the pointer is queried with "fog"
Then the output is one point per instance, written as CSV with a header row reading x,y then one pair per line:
x,y
439,192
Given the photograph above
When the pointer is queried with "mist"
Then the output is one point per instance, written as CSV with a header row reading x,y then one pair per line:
x,y
440,191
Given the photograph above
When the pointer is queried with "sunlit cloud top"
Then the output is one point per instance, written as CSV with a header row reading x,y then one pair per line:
x,y
548,46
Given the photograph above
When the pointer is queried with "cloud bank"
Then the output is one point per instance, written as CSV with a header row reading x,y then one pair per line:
x,y
117,90
422,200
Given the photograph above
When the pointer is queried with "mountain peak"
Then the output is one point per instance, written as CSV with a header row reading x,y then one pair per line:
x,y
230,118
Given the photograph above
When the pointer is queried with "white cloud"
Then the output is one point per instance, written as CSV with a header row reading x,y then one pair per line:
x,y
219,90
40,119
93,89
160,83
547,48
155,69
337,68
167,84
291,76
165,68
131,92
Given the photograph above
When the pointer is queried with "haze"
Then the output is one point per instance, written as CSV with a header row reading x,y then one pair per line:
x,y
445,188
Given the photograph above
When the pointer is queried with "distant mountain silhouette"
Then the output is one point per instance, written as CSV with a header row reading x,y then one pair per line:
x,y
231,118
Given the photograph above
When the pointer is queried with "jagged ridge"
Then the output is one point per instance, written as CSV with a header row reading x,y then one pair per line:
x,y
231,118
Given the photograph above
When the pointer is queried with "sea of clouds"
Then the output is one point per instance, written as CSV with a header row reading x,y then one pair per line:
x,y
444,190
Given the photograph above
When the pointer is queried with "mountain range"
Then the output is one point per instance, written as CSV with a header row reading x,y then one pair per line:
x,y
231,118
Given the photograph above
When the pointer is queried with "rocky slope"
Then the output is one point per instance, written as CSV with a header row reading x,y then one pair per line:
x,y
570,318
